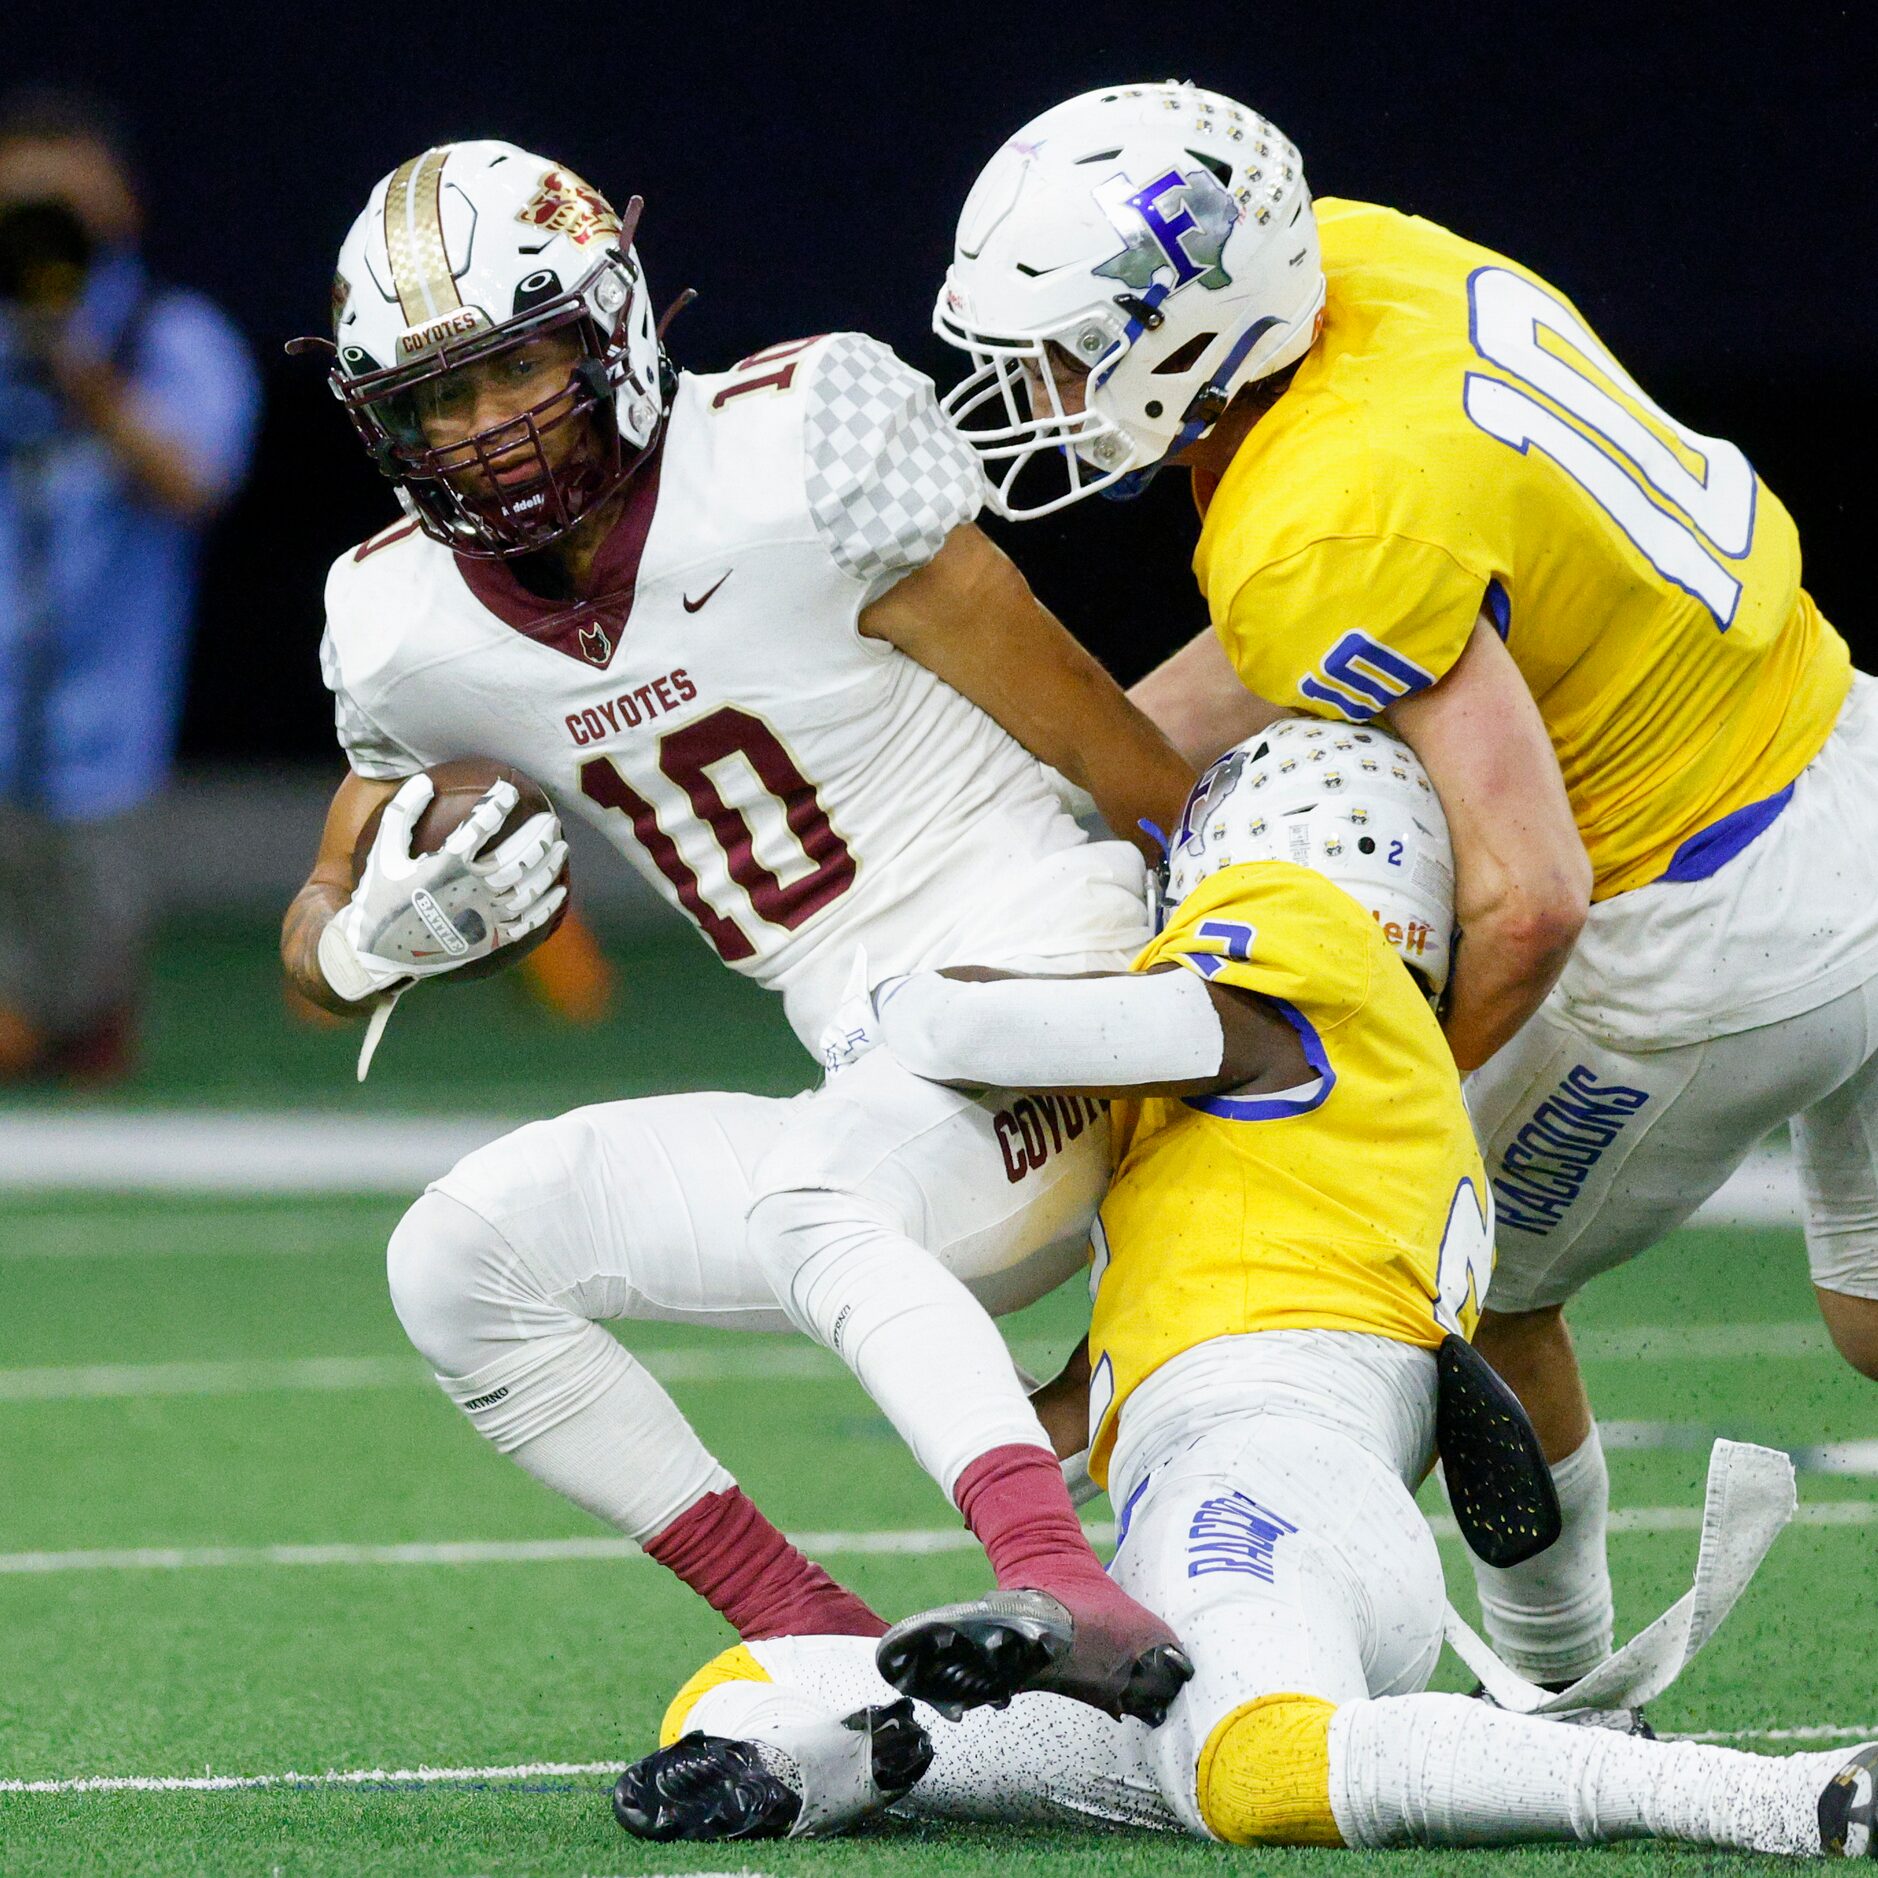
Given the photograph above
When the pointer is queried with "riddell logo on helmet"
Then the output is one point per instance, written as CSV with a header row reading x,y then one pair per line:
x,y
434,332
1411,938
567,206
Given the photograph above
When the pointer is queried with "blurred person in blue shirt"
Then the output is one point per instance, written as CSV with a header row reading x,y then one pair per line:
x,y
127,415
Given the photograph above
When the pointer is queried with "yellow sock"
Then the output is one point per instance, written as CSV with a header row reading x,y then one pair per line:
x,y
1265,1774
734,1665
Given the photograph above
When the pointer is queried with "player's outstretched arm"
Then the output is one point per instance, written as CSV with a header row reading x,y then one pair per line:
x,y
1198,702
1522,882
328,887
1165,1032
970,618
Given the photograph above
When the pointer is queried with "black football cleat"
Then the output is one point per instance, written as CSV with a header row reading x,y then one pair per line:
x,y
899,1749
709,1787
1848,1809
964,1656
704,1787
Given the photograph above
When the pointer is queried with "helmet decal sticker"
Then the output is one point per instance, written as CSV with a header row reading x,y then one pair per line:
x,y
342,292
565,205
1179,222
420,267
466,319
1214,787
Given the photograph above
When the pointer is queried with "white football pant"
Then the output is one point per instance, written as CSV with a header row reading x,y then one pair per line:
x,y
504,1271
1692,1020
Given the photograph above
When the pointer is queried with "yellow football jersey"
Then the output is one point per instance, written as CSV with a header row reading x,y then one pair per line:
x,y
1459,438
1355,1202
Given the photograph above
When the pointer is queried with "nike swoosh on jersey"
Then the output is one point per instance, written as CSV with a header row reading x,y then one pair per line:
x,y
691,605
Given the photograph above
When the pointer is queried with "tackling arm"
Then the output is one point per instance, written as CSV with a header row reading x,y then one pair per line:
x,y
1522,882
1165,1031
327,890
1198,701
970,618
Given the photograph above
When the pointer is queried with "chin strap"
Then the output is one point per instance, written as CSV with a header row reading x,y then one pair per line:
x,y
1206,407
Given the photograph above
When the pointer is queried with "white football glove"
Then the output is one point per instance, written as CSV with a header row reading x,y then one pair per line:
x,y
416,916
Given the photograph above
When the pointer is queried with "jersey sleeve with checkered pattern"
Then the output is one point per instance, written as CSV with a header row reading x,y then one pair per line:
x,y
888,475
370,752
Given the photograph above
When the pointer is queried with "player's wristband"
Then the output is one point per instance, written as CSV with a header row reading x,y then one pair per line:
x,y
342,967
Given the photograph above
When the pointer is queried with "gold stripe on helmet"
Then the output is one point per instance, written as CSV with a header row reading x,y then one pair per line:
x,y
420,268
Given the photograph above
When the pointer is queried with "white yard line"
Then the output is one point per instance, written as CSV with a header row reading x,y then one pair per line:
x,y
459,1552
260,1152
735,1359
731,1361
538,1770
908,1542
332,1777
1627,1343
1855,1460
231,1151
1830,1731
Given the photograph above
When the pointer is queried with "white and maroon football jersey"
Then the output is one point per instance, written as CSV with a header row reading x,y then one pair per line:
x,y
795,788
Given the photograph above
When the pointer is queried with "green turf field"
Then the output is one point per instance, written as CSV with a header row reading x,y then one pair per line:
x,y
216,1444
216,1034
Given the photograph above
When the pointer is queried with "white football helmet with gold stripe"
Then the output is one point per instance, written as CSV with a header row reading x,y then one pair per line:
x,y
466,252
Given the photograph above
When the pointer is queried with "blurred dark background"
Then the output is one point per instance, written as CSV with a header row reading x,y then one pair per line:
x,y
1698,181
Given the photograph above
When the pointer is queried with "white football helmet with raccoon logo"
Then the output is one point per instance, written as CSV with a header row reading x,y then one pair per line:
x,y
1161,238
1354,804
466,252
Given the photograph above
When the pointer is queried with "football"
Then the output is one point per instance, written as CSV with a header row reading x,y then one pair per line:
x,y
460,784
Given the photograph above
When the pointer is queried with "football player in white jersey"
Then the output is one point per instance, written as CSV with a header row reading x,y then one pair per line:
x,y
800,1737
743,624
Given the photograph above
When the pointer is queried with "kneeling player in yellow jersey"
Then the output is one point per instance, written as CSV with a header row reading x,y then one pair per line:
x,y
1431,495
1295,1229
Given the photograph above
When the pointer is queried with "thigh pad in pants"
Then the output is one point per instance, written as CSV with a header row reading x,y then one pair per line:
x,y
1001,1188
1595,1151
632,1209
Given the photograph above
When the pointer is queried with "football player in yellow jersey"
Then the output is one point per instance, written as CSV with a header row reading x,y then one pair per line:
x,y
1430,495
1294,1237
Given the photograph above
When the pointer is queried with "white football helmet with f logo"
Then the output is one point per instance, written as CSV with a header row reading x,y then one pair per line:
x,y
1161,238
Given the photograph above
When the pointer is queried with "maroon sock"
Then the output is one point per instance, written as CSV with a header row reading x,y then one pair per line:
x,y
728,1553
1014,1500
